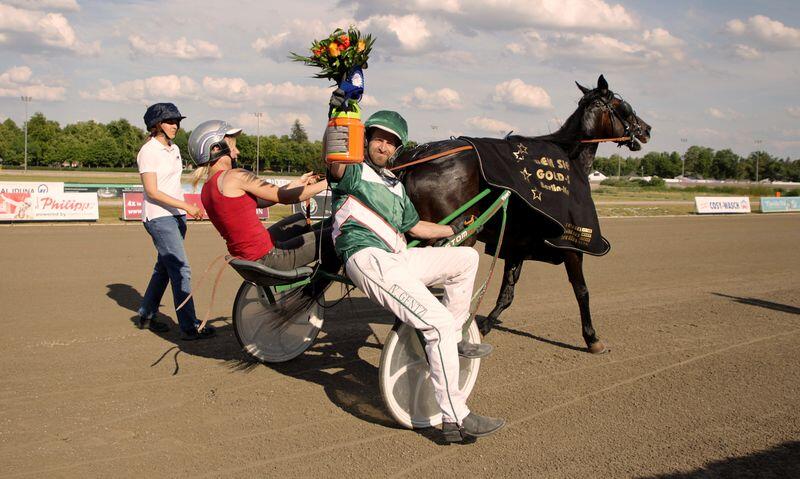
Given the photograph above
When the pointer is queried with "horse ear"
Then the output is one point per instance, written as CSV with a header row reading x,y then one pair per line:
x,y
602,84
582,88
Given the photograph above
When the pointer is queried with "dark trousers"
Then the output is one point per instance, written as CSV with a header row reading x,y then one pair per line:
x,y
296,245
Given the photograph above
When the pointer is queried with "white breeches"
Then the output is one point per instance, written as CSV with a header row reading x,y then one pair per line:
x,y
398,282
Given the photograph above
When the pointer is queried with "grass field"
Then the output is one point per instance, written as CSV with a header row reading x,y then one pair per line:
x,y
610,200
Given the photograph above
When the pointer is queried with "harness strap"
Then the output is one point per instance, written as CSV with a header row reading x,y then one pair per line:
x,y
227,260
432,157
601,140
482,290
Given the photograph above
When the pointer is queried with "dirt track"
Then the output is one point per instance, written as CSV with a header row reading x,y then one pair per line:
x,y
703,315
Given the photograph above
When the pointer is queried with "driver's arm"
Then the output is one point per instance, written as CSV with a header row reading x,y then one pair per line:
x,y
259,188
428,230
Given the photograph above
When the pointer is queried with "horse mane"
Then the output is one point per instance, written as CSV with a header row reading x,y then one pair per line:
x,y
568,134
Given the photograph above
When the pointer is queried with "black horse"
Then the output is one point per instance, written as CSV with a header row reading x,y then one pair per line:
x,y
439,186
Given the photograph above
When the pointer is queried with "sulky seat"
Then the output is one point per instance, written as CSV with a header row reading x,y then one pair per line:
x,y
261,275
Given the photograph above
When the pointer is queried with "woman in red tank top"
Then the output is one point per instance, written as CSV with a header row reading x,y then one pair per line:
x,y
231,195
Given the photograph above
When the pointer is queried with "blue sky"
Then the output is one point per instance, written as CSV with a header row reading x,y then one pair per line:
x,y
720,74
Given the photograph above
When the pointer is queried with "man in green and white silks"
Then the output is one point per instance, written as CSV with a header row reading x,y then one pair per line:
x,y
371,215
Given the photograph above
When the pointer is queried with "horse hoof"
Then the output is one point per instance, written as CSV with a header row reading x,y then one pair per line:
x,y
484,325
598,347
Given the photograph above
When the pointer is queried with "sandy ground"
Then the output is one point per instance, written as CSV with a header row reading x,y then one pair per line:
x,y
702,313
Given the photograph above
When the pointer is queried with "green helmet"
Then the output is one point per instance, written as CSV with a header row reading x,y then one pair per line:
x,y
390,121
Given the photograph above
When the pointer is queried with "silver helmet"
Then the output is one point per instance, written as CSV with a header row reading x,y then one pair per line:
x,y
206,136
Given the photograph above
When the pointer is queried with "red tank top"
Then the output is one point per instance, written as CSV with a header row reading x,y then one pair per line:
x,y
236,220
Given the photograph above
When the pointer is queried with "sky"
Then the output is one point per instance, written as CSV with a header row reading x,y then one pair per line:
x,y
722,74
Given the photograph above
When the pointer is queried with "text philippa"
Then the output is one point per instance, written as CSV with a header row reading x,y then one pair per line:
x,y
66,205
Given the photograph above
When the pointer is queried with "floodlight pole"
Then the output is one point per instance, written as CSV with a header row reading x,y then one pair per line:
x,y
26,99
757,142
683,161
258,116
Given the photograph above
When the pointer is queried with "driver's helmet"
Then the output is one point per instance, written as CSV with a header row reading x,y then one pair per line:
x,y
206,136
390,121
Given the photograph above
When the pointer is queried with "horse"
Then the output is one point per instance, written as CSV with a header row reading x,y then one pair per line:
x,y
452,176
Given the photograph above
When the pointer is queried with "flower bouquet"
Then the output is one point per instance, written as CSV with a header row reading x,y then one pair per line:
x,y
339,54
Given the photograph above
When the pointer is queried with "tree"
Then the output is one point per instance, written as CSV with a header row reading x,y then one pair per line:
x,y
723,165
298,133
42,140
128,139
698,160
12,143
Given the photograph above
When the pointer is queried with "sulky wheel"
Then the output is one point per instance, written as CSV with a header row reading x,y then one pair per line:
x,y
274,327
404,377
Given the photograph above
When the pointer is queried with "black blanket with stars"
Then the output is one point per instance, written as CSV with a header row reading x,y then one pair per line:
x,y
562,214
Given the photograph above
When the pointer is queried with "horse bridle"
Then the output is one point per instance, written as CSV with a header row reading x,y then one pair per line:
x,y
631,129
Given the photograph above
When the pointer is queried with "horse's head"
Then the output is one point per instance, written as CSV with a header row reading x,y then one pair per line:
x,y
607,115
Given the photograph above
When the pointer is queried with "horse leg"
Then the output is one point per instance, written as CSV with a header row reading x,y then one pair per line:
x,y
511,273
574,264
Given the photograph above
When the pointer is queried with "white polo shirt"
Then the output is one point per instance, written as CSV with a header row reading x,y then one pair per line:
x,y
165,162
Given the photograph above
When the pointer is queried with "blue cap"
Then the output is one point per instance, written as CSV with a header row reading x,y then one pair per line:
x,y
159,112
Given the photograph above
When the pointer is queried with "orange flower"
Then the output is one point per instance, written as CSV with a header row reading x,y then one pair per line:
x,y
361,46
333,49
344,40
317,52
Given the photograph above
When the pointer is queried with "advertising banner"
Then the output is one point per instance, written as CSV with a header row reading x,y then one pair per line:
x,y
67,206
770,204
31,187
722,204
320,206
132,206
27,206
16,206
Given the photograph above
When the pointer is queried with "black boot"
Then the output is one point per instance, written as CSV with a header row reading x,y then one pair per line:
x,y
472,426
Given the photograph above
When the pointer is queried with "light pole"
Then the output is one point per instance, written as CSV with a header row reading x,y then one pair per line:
x,y
683,161
757,142
258,116
26,99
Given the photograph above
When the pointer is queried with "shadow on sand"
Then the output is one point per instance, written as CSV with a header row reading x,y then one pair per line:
x,y
334,361
780,461
784,308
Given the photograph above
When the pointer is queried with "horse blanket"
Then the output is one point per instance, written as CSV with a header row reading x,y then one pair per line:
x,y
560,212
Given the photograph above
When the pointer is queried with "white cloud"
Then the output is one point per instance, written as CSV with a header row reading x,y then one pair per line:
x,y
219,92
519,94
181,48
444,99
31,27
492,15
19,81
489,125
793,111
146,91
723,113
279,124
746,52
369,101
62,5
295,36
764,30
656,46
398,34
409,33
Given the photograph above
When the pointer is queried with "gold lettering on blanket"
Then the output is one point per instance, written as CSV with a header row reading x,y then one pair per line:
x,y
554,175
577,235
